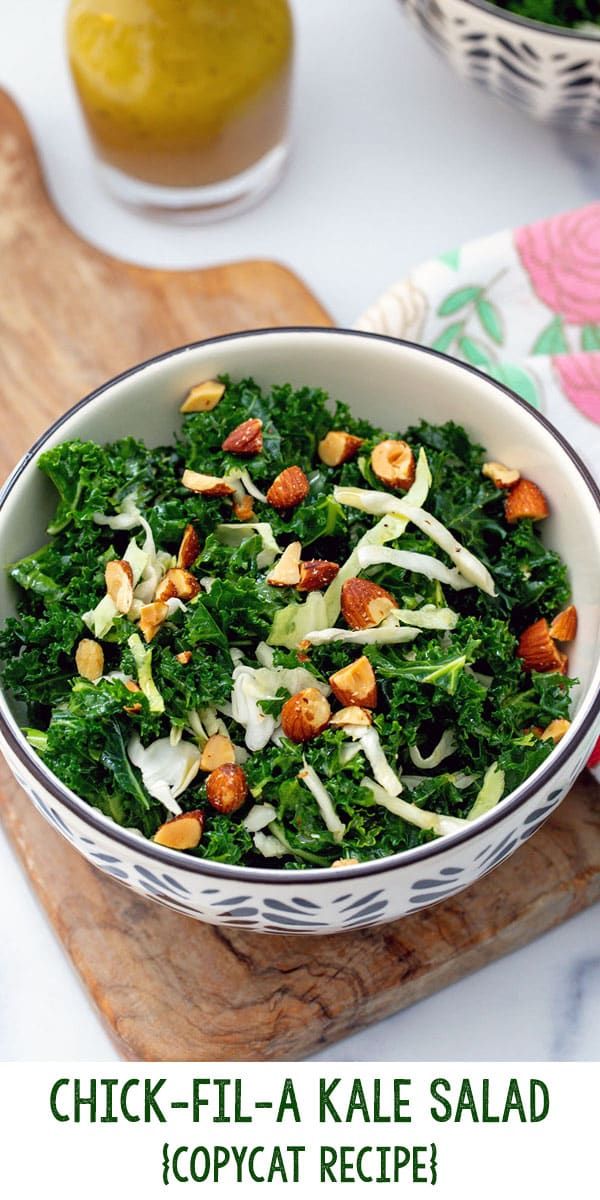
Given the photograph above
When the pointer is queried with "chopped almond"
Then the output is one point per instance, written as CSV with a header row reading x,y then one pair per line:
x,y
243,510
351,716
189,548
132,686
245,438
206,485
286,571
364,603
152,616
119,584
538,650
315,574
556,730
338,447
217,751
227,788
182,833
177,582
564,626
289,489
394,464
525,500
89,659
184,658
355,684
204,397
503,477
305,715
344,862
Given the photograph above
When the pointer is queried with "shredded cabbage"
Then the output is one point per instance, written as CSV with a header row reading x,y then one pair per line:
x,y
381,635
142,656
234,535
409,560
470,567
167,770
309,777
420,817
373,752
445,747
490,793
292,624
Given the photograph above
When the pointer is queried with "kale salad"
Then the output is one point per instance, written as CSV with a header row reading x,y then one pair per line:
x,y
566,13
290,639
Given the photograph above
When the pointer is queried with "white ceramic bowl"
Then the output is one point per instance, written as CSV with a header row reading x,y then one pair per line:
x,y
394,384
550,73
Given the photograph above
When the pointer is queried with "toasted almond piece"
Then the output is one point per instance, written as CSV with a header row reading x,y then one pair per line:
x,y
338,447
184,658
305,715
246,438
217,751
227,788
286,572
132,709
289,489
556,730
119,584
564,626
316,573
355,684
182,833
538,650
525,499
189,548
503,477
152,616
394,463
344,862
132,686
89,659
351,716
203,397
243,510
364,603
537,729
177,582
206,485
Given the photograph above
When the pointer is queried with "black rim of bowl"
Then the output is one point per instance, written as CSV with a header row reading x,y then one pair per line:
x,y
492,9
225,871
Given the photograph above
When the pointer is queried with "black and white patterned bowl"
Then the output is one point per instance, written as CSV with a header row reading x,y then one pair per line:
x,y
395,383
549,73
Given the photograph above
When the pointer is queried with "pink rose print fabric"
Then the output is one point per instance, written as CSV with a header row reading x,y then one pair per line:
x,y
524,306
562,258
579,376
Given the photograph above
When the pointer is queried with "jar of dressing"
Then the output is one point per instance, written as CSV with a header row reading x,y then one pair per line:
x,y
186,101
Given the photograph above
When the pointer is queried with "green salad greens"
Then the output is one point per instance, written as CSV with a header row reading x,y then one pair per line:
x,y
176,636
567,13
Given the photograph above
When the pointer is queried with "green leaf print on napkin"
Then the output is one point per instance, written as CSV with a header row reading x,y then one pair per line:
x,y
519,380
457,300
490,319
590,337
552,339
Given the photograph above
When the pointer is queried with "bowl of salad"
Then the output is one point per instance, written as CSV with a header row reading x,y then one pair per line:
x,y
300,627
541,56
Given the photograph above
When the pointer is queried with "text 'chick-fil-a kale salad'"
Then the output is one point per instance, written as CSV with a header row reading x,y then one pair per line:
x,y
290,639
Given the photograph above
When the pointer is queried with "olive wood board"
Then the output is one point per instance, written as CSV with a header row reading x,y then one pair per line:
x,y
168,987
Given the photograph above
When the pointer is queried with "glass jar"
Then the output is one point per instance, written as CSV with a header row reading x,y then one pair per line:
x,y
186,101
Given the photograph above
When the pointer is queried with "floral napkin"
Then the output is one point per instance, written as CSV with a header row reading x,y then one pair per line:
x,y
524,306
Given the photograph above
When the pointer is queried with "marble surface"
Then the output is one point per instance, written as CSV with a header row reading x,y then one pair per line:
x,y
394,159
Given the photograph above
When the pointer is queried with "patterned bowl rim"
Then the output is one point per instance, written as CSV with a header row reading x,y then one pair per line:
x,y
132,840
492,9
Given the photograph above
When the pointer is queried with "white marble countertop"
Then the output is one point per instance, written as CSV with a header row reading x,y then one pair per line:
x,y
394,159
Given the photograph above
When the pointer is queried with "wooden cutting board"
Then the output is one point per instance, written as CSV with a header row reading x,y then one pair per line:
x,y
169,987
